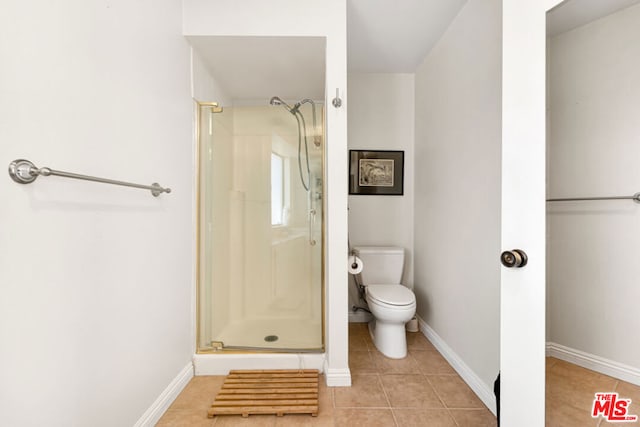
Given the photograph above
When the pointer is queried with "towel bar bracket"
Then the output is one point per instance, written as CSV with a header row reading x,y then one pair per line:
x,y
20,171
25,172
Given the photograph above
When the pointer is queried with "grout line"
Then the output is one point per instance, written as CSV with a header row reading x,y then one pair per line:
x,y
333,398
386,396
444,405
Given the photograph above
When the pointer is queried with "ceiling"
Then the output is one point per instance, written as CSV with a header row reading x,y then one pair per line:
x,y
575,13
383,36
394,36
253,69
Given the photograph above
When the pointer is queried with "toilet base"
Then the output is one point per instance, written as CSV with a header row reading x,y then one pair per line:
x,y
389,338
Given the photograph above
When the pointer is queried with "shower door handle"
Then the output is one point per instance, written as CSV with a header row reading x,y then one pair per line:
x,y
312,223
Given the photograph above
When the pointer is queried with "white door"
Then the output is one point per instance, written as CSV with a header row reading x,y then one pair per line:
x,y
522,317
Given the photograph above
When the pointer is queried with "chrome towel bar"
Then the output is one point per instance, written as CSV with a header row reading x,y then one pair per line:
x,y
635,198
24,172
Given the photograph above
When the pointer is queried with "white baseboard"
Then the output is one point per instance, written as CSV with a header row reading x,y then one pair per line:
x,y
166,398
337,377
594,363
484,392
359,316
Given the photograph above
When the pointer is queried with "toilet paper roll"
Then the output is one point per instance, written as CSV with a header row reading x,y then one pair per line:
x,y
355,265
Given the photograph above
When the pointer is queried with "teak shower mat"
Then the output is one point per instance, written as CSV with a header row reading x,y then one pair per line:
x,y
279,392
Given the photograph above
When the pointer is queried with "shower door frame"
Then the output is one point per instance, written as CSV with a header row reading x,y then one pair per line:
x,y
220,349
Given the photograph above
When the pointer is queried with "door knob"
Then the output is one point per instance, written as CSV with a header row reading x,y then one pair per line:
x,y
514,258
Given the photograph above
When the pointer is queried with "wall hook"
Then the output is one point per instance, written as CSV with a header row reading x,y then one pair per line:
x,y
337,102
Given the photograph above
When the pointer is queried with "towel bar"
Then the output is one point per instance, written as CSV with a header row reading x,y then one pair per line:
x,y
24,172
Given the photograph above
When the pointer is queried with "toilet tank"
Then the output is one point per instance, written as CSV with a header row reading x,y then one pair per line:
x,y
382,265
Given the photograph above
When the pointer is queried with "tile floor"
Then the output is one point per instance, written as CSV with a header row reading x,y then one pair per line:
x,y
420,390
570,394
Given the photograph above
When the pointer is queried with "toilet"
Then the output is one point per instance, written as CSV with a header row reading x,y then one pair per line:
x,y
391,303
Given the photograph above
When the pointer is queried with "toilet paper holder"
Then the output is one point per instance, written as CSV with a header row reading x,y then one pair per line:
x,y
355,264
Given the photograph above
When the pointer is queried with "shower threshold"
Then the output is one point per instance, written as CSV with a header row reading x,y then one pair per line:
x,y
271,349
219,346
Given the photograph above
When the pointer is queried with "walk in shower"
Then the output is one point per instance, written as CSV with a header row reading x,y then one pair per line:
x,y
260,272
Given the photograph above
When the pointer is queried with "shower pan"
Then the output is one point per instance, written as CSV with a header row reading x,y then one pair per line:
x,y
260,210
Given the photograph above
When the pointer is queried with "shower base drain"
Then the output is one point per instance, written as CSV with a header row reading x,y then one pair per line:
x,y
271,338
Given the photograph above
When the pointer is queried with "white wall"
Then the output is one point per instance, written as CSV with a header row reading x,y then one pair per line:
x,y
381,117
593,150
315,19
457,187
96,281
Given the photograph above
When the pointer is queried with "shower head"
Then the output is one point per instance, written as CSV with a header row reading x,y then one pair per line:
x,y
277,101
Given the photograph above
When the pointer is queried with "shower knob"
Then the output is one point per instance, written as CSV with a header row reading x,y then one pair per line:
x,y
514,258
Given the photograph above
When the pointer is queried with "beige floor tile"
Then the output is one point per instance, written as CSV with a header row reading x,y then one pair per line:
x,y
185,418
352,417
384,365
295,420
365,391
575,386
388,392
629,391
199,393
417,341
410,391
358,343
413,417
325,401
358,329
635,410
618,423
239,420
560,414
431,363
361,362
454,392
474,417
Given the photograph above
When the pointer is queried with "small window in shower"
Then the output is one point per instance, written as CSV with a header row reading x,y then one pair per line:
x,y
277,189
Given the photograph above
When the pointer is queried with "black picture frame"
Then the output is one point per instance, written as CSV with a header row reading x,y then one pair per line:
x,y
376,172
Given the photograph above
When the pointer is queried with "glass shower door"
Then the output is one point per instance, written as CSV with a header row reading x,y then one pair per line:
x,y
260,230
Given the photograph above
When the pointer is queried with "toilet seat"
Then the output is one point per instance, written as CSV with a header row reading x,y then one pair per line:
x,y
393,295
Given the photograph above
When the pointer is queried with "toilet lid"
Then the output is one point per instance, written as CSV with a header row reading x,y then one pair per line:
x,y
391,294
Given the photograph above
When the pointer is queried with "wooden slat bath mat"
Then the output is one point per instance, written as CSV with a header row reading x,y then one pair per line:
x,y
279,392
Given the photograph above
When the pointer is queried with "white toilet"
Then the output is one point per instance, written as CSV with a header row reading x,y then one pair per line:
x,y
391,303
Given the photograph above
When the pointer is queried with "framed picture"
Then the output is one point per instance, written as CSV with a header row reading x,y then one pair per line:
x,y
373,172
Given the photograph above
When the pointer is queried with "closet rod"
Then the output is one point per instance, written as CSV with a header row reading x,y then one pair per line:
x,y
24,172
635,198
